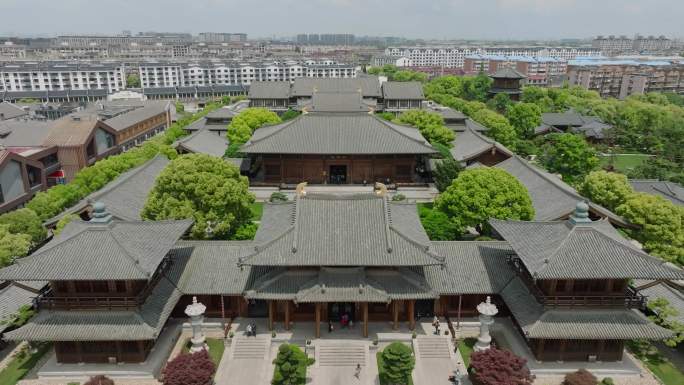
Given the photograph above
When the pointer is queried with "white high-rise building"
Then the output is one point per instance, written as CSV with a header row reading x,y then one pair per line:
x,y
60,76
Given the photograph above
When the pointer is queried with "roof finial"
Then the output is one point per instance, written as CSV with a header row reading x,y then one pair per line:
x,y
100,214
581,214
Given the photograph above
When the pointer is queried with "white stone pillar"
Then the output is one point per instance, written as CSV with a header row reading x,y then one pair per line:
x,y
487,311
196,313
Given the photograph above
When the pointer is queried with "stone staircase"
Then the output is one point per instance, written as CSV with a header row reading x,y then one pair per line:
x,y
432,347
245,348
341,354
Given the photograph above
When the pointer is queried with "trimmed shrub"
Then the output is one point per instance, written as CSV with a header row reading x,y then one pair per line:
x,y
398,197
100,380
398,363
190,369
290,365
580,377
278,197
495,367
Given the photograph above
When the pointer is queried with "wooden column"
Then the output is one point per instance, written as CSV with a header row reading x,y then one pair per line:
x,y
318,320
223,309
270,314
287,315
365,319
411,315
395,315
458,318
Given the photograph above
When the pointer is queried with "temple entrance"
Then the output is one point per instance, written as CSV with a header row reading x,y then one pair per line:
x,y
425,308
338,174
257,308
336,310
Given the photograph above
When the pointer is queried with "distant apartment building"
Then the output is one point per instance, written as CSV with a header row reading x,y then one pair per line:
x,y
540,71
620,78
61,76
221,37
454,57
326,39
174,74
616,45
123,39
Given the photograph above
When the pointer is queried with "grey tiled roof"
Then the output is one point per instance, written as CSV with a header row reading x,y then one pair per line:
x,y
594,250
508,73
617,324
551,197
204,142
567,118
471,268
137,115
20,133
144,323
336,102
403,90
10,111
593,128
125,196
341,285
269,90
337,133
14,296
341,230
668,190
369,86
670,291
470,144
92,251
212,267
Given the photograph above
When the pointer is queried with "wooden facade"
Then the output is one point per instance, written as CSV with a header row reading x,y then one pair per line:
x,y
577,350
132,135
339,169
31,173
72,352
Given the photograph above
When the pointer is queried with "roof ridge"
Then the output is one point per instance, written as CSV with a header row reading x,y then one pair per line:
x,y
388,223
262,246
425,248
125,176
136,261
282,125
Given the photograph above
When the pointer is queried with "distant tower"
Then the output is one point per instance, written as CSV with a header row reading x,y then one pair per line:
x,y
507,81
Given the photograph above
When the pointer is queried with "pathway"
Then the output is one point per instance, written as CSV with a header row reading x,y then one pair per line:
x,y
336,362
247,362
435,361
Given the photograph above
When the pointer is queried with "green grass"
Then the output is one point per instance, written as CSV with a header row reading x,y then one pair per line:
x,y
257,210
660,366
22,363
381,370
465,346
216,348
624,162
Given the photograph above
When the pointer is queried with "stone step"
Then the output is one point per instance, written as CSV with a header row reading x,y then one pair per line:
x,y
341,355
433,347
250,348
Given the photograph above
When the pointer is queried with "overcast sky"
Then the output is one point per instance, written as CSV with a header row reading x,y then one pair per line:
x,y
486,19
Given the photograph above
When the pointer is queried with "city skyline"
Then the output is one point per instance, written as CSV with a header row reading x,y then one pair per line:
x,y
495,19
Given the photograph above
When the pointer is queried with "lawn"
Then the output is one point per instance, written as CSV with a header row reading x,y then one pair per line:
x,y
257,210
381,370
656,363
216,348
22,363
465,346
624,162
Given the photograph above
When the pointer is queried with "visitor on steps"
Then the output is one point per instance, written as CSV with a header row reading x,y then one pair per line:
x,y
249,329
357,372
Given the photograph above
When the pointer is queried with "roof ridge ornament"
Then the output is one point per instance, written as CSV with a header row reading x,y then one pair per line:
x,y
300,190
100,214
581,213
380,189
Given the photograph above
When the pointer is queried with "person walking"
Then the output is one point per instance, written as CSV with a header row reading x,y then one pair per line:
x,y
435,324
357,372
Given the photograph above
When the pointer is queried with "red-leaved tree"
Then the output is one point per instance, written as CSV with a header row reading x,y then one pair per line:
x,y
580,377
498,367
190,369
99,380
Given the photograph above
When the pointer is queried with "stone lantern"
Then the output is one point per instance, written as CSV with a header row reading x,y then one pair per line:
x,y
196,313
487,311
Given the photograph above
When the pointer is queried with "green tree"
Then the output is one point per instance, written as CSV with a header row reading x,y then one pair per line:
x,y
569,155
25,221
661,225
20,317
133,81
524,117
243,125
408,75
430,125
500,103
398,362
207,189
499,127
63,222
476,87
290,114
445,172
290,365
479,194
608,189
12,245
180,108
385,115
438,226
658,168
665,315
